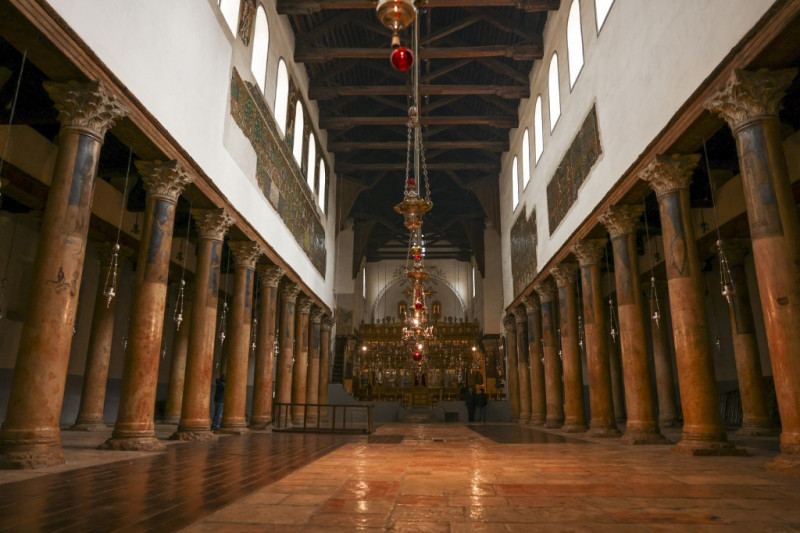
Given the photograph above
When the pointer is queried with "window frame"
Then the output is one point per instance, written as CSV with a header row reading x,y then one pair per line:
x,y
600,23
552,77
574,11
283,95
538,130
257,60
514,184
298,137
526,154
311,159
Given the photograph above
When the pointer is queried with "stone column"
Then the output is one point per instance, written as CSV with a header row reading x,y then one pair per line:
x,y
312,379
30,436
135,427
703,433
283,375
641,427
662,359
512,370
93,392
300,368
523,364
566,276
325,363
536,354
755,416
750,103
261,413
195,424
245,255
601,403
177,365
554,392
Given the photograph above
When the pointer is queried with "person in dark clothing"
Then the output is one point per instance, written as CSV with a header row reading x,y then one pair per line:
x,y
481,400
219,400
470,399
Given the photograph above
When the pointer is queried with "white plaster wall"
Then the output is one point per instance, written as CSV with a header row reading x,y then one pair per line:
x,y
647,60
176,57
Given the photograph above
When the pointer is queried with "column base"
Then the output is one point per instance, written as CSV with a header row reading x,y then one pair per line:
x,y
786,464
638,437
232,430
88,426
574,427
538,420
524,418
553,424
260,422
30,453
264,426
171,419
192,435
133,444
697,448
601,432
756,430
669,422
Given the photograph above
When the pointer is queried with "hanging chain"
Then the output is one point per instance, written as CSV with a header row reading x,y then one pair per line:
x,y
110,288
408,150
424,165
725,275
611,317
655,308
177,315
254,327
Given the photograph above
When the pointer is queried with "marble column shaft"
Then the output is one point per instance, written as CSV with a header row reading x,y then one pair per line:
x,y
177,365
261,412
662,360
535,353
523,364
245,256
312,378
512,370
703,433
641,428
300,368
95,375
135,426
566,276
595,322
750,103
30,436
286,329
325,363
554,392
195,424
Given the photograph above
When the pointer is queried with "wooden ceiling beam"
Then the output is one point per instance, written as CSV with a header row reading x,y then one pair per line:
x,y
349,146
511,92
307,7
401,166
493,121
441,33
519,52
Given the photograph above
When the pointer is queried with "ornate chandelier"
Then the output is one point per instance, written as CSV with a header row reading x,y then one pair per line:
x,y
397,15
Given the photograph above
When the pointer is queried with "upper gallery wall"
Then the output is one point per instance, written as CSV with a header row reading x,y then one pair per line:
x,y
182,60
641,63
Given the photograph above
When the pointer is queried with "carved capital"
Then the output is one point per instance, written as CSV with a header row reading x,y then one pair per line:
x,y
304,304
212,223
85,105
270,275
589,251
327,322
165,179
748,95
735,250
546,291
290,291
565,274
520,314
245,253
531,302
247,20
667,173
316,315
622,219
510,324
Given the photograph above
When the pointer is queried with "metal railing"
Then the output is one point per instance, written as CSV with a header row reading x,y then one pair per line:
x,y
323,418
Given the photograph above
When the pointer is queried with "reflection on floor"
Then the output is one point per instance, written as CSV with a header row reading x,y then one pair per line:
x,y
411,477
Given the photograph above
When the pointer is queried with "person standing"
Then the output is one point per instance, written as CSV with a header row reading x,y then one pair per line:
x,y
482,400
470,400
219,400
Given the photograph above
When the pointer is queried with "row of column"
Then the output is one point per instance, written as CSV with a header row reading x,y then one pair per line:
x,y
30,435
749,103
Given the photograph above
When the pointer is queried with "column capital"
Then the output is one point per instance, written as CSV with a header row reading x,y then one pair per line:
x,y
270,275
212,223
621,219
245,253
85,105
290,291
735,250
164,179
316,315
531,302
520,315
304,304
565,274
327,322
509,322
748,95
546,291
589,251
668,173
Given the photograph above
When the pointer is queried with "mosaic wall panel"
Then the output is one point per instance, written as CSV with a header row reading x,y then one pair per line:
x,y
277,173
562,191
523,251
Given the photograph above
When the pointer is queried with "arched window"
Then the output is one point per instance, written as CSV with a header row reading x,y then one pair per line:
x,y
553,92
538,130
322,186
574,42
281,97
230,11
258,63
526,159
311,161
601,9
514,184
297,148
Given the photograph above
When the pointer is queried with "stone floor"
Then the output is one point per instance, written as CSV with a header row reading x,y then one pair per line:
x,y
407,477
